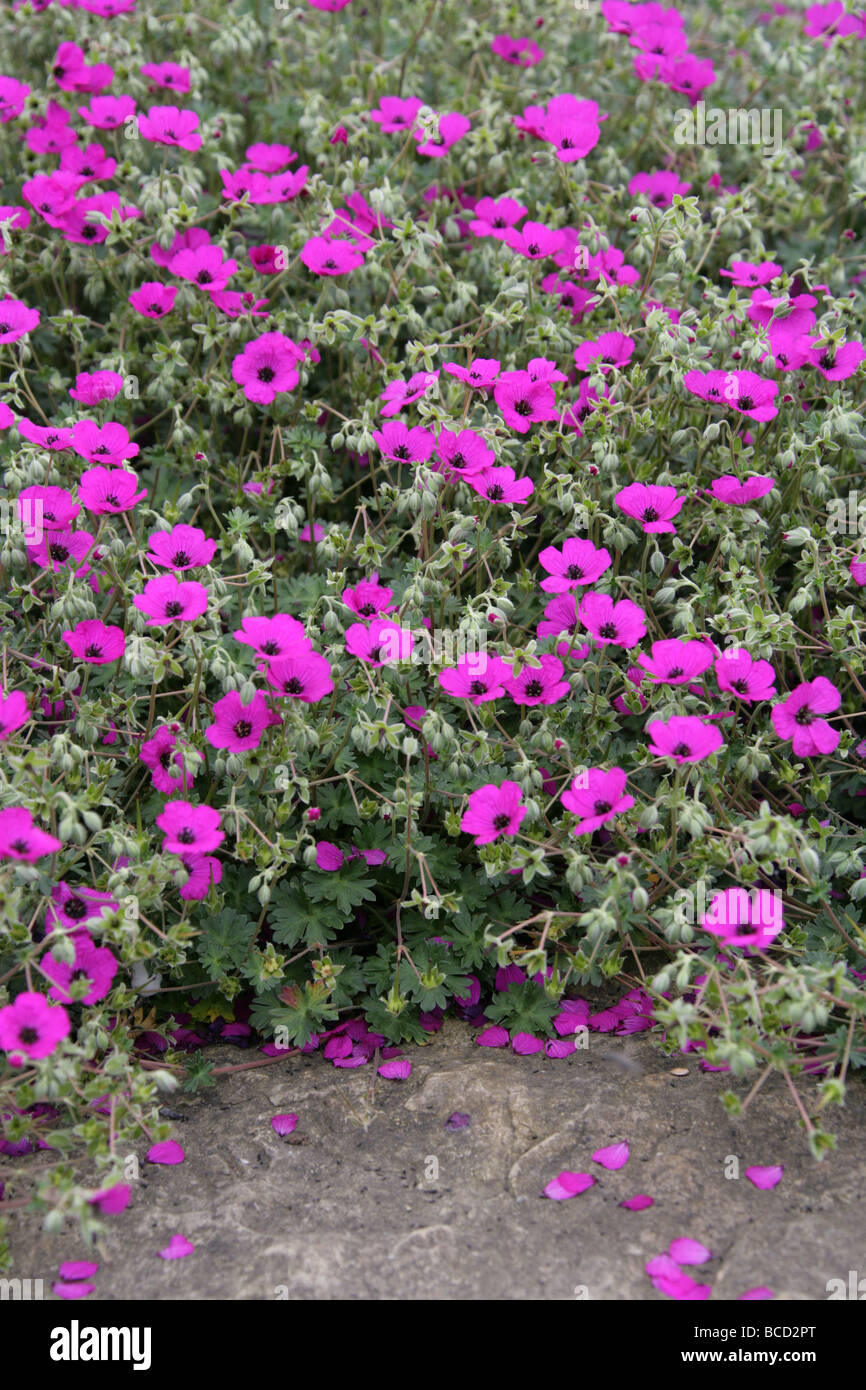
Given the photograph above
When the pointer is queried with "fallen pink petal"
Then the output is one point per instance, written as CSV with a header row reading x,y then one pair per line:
x,y
167,1151
765,1177
613,1157
397,1070
177,1249
567,1184
284,1124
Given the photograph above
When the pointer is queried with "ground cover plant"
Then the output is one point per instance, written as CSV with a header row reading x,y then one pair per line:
x,y
431,546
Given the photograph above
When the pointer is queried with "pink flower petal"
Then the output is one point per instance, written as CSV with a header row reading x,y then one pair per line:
x,y
559,1047
689,1252
567,1184
398,1070
284,1124
526,1043
77,1269
765,1177
494,1036
638,1203
613,1157
177,1249
72,1290
169,1151
753,1295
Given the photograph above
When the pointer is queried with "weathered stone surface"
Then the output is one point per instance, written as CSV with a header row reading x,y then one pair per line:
x,y
348,1207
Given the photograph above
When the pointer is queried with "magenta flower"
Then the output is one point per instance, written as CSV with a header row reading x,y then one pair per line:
x,y
284,1124
94,963
170,75
397,441
204,266
167,599
238,726
203,871
561,617
107,113
30,1025
46,436
797,717
465,452
13,712
749,274
621,624
602,353
539,685
93,642
739,674
524,402
733,493
167,1151
103,444
579,562
481,374
74,908
13,95
267,366
399,393
677,661
16,319
452,127
501,484
571,126
857,570
596,796
741,917
382,643
281,635
165,760
302,676
683,737
189,829
476,677
88,163
91,387
109,490
171,125
651,504
368,598
325,257
745,392
521,53
660,187
765,1178
493,811
182,548
153,299
177,1249
55,504
567,1184
110,1200
496,216
836,363
534,240
329,857
494,1036
396,113
61,547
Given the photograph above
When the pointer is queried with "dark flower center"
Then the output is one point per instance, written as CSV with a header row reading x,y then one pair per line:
x,y
186,836
28,1036
674,672
293,686
746,403
533,248
478,688
76,908
741,685
266,373
243,728
330,264
58,552
180,558
574,572
608,630
534,688
173,609
93,650
500,821
804,715
495,493
522,408
682,750
402,452
204,277
650,514
165,758
367,610
20,846
270,648
601,808
112,500
828,359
